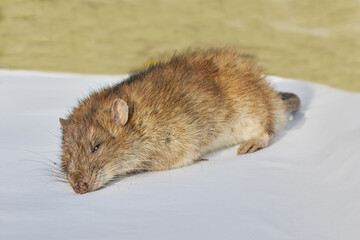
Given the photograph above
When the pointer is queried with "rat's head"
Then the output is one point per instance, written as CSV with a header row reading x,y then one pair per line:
x,y
93,142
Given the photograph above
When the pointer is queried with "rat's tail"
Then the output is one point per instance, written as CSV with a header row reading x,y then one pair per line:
x,y
291,101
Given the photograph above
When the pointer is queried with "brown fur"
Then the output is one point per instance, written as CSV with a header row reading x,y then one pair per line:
x,y
178,110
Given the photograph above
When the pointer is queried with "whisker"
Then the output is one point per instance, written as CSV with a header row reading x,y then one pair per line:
x,y
51,167
54,166
41,155
52,172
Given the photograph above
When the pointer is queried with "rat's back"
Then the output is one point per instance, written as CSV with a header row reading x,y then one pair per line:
x,y
200,102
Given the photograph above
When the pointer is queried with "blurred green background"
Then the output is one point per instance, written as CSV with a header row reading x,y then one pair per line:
x,y
314,40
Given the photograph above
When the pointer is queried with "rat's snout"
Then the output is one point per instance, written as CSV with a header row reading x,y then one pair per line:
x,y
81,186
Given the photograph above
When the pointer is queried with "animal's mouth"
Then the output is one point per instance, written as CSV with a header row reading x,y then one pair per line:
x,y
81,186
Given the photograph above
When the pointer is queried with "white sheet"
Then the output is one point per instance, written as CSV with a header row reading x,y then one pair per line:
x,y
305,185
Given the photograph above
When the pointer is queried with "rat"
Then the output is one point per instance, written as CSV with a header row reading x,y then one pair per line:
x,y
170,114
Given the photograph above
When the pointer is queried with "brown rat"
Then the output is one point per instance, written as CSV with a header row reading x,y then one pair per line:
x,y
169,115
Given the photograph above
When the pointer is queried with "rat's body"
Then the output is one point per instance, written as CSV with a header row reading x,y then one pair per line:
x,y
169,115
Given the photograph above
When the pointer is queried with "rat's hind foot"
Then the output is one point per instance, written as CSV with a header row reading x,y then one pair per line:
x,y
252,145
249,146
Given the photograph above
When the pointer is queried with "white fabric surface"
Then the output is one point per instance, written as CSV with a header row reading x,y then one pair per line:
x,y
305,185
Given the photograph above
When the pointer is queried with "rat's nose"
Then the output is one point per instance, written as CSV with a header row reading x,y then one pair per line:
x,y
81,186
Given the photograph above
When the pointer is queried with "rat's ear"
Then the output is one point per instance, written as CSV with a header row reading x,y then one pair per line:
x,y
62,123
120,110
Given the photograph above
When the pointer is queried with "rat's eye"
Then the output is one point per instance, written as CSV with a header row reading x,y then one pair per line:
x,y
95,148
